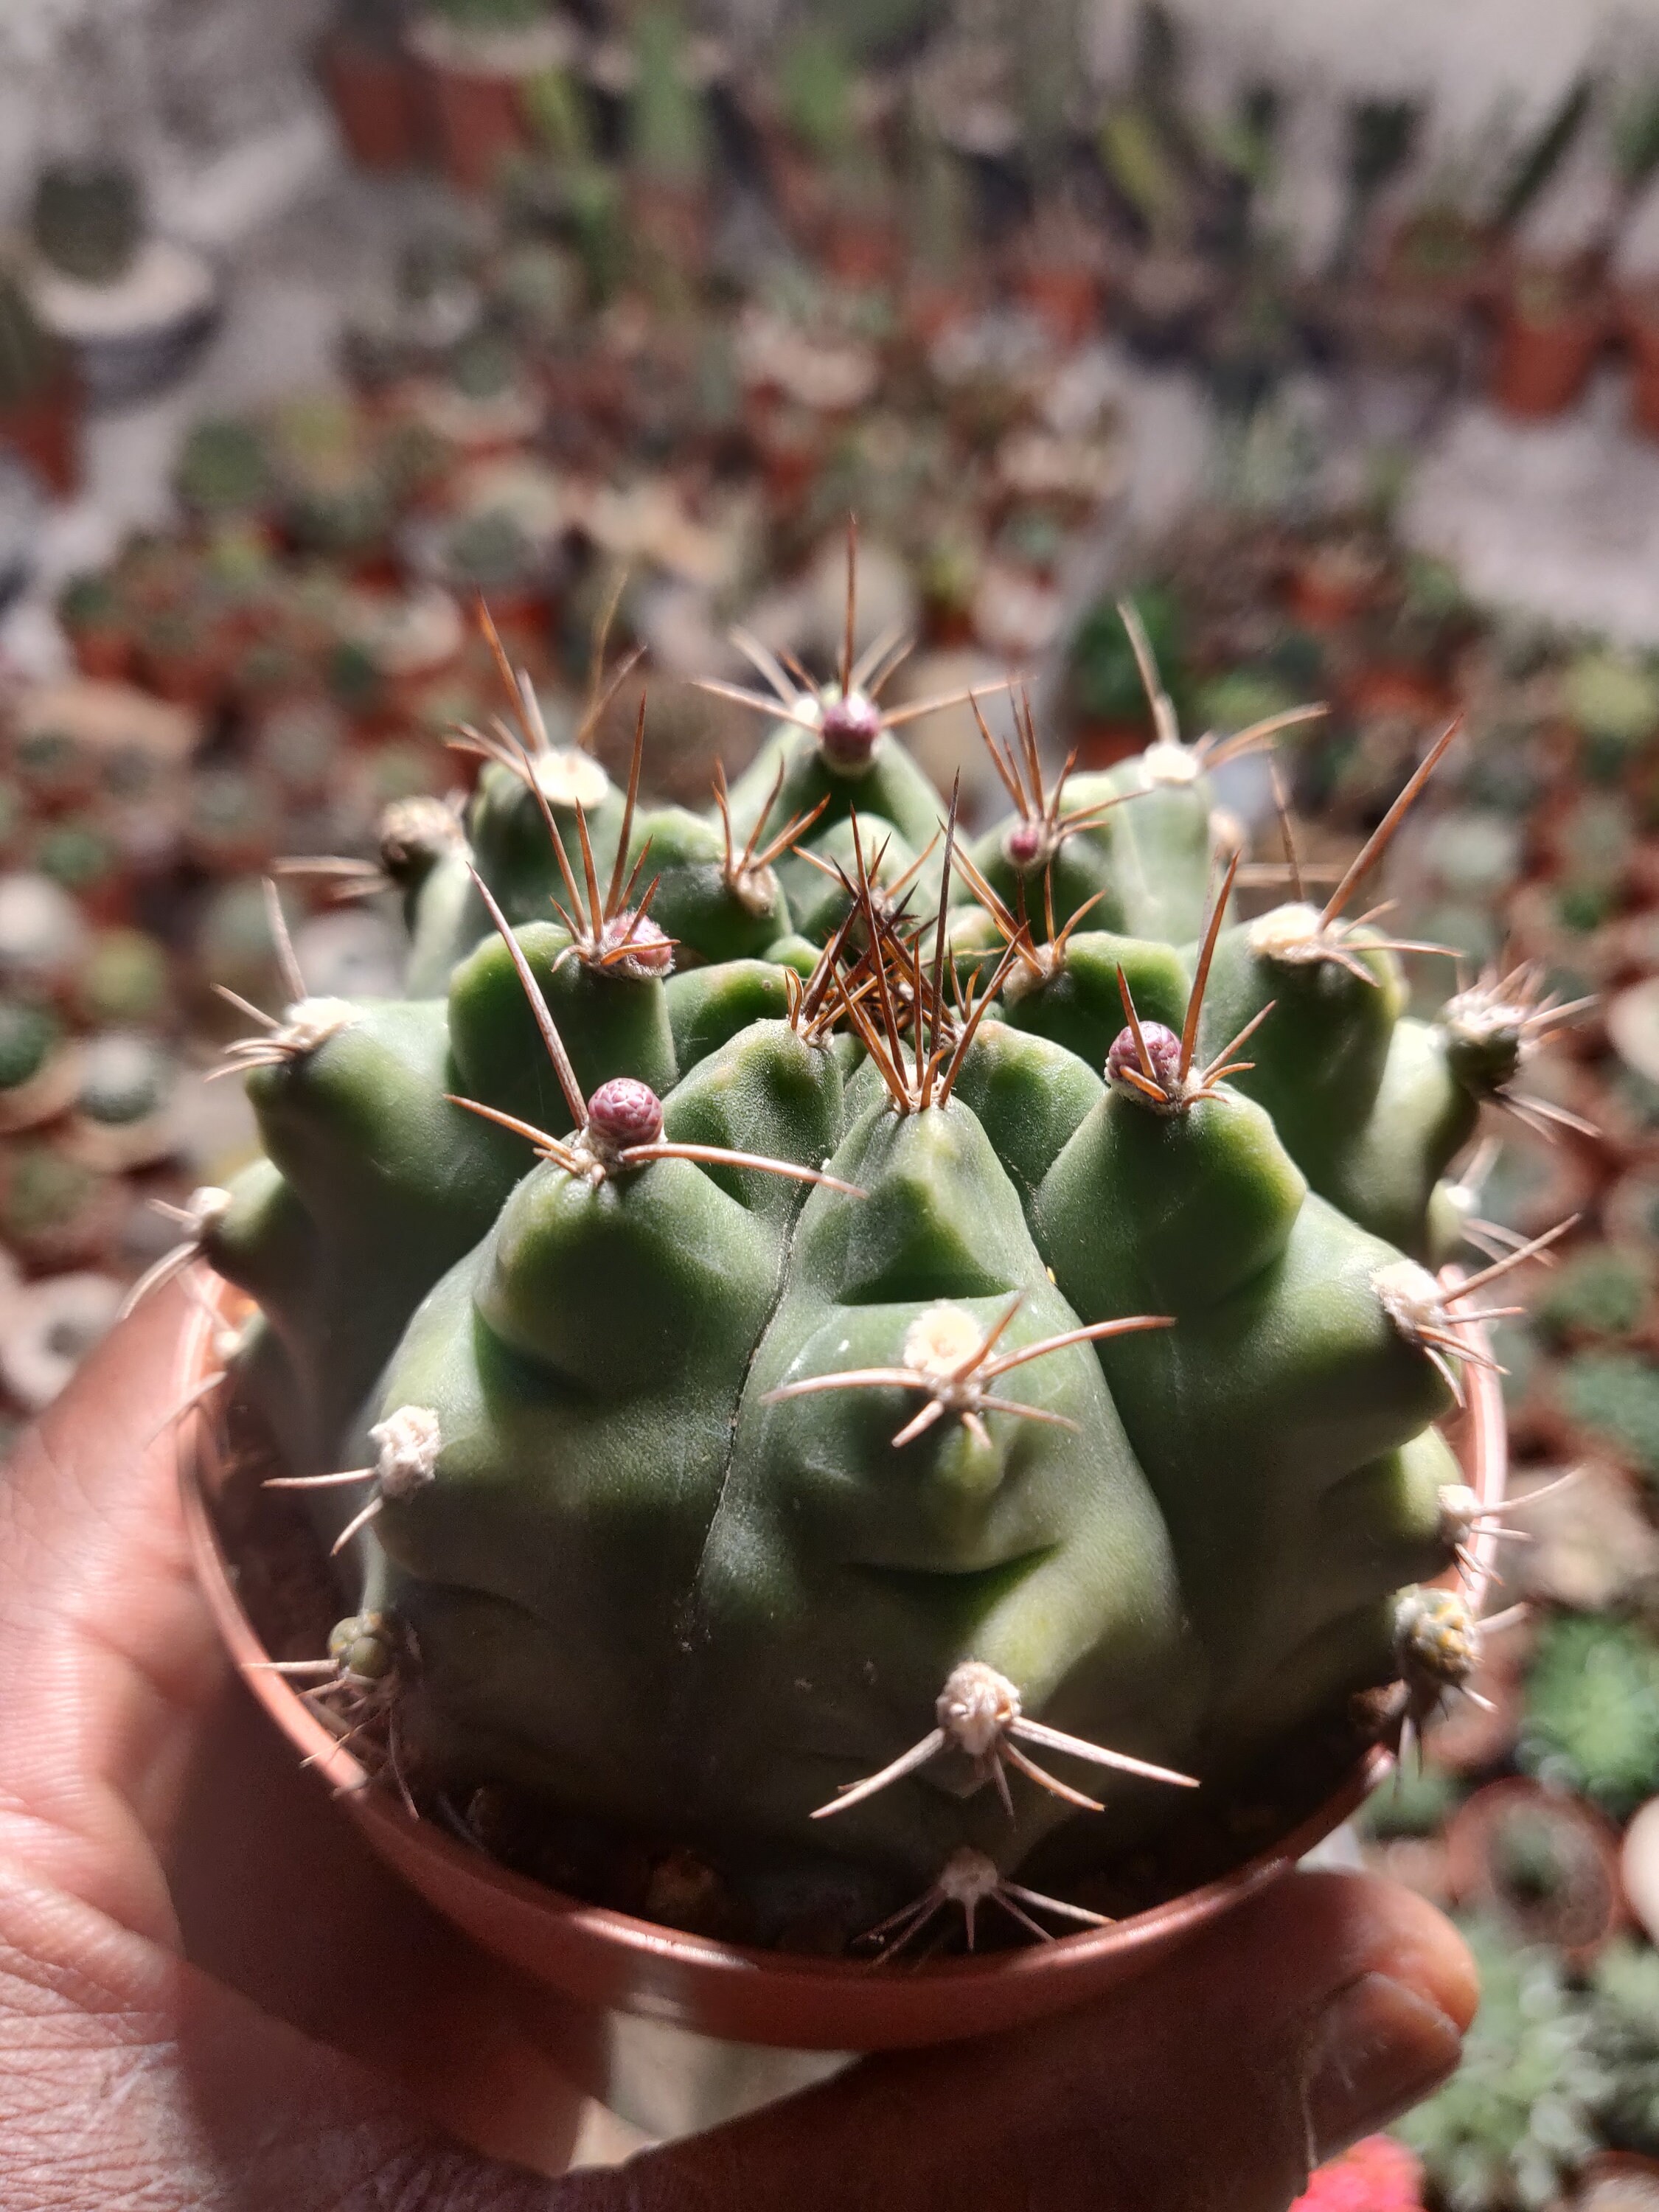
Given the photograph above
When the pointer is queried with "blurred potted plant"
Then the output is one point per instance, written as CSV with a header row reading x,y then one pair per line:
x,y
668,149
135,308
40,393
1633,150
372,83
479,56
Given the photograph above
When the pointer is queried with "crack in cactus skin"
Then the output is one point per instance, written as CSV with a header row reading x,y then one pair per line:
x,y
655,1583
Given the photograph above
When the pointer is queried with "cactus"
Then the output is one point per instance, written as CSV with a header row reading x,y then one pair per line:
x,y
89,219
819,1362
1592,1712
1520,2115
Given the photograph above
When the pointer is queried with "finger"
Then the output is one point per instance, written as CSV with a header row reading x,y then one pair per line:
x,y
1308,2017
106,1647
140,1780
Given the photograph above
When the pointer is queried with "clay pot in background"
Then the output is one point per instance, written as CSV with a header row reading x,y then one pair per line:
x,y
46,430
1572,1899
375,92
1550,335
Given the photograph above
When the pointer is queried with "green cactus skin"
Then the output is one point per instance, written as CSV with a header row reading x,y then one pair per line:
x,y
739,1454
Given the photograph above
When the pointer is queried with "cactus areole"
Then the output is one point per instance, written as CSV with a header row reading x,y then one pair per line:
x,y
823,1355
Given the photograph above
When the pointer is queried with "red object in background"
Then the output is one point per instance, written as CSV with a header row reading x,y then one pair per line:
x,y
46,431
1103,744
479,121
375,93
1377,2175
1063,295
862,250
1541,367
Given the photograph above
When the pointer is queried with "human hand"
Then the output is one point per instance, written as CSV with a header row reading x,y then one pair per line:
x,y
213,2000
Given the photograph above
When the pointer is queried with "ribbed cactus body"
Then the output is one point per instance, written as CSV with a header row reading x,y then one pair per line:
x,y
739,1470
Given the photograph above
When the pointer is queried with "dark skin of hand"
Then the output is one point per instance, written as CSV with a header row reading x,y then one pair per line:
x,y
212,2000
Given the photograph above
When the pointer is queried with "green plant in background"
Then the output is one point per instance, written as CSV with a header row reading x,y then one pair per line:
x,y
1613,697
1615,1395
691,1309
668,137
1625,1998
1381,138
1592,1711
1415,1801
224,468
87,219
483,17
1105,675
1602,1292
1518,2119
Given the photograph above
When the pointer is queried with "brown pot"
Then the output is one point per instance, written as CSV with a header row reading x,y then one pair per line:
x,y
1542,364
1064,296
45,429
478,121
1579,1924
1103,744
608,1959
376,96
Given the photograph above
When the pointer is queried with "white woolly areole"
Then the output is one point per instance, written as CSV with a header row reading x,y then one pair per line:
x,y
755,890
311,1023
207,1206
976,1707
1169,764
1460,1509
1294,933
1483,1018
568,777
939,1339
968,1877
1410,1296
409,1441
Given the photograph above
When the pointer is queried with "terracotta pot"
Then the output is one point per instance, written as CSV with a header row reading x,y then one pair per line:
x,y
861,251
1542,364
1618,2181
1103,744
1064,296
45,429
1389,687
611,1959
478,120
1579,1924
376,95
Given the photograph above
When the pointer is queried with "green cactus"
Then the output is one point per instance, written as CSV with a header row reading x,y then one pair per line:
x,y
1615,1396
1592,1711
777,1338
1513,2124
88,220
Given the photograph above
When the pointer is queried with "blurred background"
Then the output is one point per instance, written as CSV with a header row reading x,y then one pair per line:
x,y
1328,333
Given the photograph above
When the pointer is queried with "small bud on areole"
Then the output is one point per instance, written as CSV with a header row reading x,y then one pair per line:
x,y
1163,1048
848,729
623,1112
635,945
1024,844
1437,1638
364,1647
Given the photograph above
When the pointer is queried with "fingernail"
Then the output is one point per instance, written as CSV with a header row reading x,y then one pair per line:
x,y
1376,2049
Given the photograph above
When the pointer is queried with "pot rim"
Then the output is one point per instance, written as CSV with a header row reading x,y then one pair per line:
x,y
938,1999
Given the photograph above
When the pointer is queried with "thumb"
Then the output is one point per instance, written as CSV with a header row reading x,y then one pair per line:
x,y
1311,2015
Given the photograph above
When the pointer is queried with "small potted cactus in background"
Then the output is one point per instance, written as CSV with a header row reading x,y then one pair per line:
x,y
365,65
478,57
755,1495
135,307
